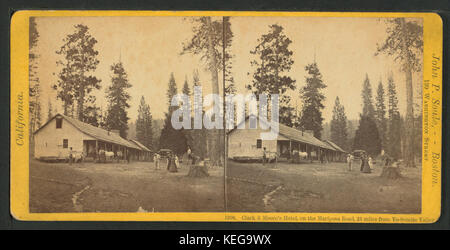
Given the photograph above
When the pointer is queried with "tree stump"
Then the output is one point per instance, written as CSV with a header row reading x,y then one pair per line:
x,y
198,171
391,173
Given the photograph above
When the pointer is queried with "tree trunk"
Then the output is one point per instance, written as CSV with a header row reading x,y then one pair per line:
x,y
214,134
198,171
409,119
391,173
80,106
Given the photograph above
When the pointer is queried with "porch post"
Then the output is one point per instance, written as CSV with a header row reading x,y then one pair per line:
x,y
290,149
96,150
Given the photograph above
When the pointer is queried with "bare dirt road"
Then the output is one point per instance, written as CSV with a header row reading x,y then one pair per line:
x,y
113,187
315,187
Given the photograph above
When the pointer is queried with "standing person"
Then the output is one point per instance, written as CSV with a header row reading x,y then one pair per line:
x,y
128,157
171,166
264,156
276,160
189,155
177,163
168,156
195,159
365,165
370,163
156,160
350,161
362,161
387,161
70,156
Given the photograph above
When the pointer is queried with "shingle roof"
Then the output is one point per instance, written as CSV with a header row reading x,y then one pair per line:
x,y
297,135
97,133
140,145
334,145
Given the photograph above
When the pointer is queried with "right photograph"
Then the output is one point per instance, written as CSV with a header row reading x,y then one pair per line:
x,y
324,115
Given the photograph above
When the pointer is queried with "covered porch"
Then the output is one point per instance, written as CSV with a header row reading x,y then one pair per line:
x,y
92,148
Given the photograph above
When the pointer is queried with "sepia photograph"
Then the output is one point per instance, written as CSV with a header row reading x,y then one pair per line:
x,y
151,114
350,115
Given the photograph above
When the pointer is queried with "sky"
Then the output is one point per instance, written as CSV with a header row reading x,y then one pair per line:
x,y
149,48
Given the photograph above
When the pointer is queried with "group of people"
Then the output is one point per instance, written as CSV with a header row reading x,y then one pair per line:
x,y
366,163
173,163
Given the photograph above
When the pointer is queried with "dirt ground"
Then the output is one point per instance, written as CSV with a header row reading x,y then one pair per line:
x,y
315,187
113,187
138,187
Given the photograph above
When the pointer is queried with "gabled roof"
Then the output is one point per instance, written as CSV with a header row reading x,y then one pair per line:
x,y
297,135
97,133
334,145
144,148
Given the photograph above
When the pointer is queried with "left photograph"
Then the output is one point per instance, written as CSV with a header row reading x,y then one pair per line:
x,y
103,93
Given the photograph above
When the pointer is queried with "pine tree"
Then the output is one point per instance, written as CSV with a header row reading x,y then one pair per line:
x,y
418,119
312,101
38,116
212,40
368,109
367,137
50,111
287,115
171,138
92,112
34,86
351,134
380,114
404,42
186,89
79,61
273,62
197,139
338,125
92,115
144,128
394,122
118,98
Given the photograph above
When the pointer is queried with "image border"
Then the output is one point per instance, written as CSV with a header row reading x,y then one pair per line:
x,y
19,193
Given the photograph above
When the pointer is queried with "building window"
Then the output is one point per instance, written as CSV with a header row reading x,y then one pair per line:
x,y
58,122
258,143
65,143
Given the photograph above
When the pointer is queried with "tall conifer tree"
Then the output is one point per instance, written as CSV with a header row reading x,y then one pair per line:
x,y
404,42
118,98
338,125
144,131
274,60
312,101
171,138
394,122
380,113
76,80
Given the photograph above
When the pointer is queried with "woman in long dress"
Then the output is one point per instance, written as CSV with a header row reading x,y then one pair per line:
x,y
172,167
366,166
